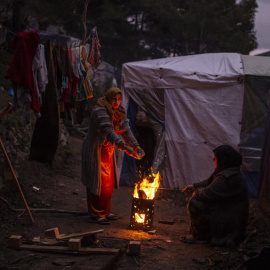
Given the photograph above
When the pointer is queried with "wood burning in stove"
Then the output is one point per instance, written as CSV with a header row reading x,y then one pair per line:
x,y
142,210
142,214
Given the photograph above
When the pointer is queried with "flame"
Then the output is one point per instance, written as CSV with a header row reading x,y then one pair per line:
x,y
148,188
139,218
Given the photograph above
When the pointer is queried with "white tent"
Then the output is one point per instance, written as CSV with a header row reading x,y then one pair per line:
x,y
194,104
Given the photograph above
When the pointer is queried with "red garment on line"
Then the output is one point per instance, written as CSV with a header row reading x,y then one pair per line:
x,y
72,88
20,69
100,206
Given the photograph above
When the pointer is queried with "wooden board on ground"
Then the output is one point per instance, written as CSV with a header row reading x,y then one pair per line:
x,y
54,233
60,249
75,235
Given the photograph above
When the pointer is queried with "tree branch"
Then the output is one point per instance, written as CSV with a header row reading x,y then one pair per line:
x,y
86,3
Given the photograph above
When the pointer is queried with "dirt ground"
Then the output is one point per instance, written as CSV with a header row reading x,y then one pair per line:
x,y
58,187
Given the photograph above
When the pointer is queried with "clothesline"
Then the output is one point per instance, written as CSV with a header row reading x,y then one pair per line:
x,y
93,32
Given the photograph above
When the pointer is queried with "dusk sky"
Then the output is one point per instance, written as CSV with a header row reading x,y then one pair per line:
x,y
262,26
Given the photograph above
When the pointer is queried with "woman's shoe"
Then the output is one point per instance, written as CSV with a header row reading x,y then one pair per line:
x,y
112,216
189,239
103,220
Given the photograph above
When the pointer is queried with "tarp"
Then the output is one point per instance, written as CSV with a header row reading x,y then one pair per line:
x,y
169,72
194,104
256,65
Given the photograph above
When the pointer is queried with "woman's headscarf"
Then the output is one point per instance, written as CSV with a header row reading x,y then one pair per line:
x,y
105,102
227,157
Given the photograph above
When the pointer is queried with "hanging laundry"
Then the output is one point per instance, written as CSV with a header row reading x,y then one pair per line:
x,y
20,69
65,62
68,94
87,80
40,72
46,132
62,65
81,92
95,54
58,66
75,61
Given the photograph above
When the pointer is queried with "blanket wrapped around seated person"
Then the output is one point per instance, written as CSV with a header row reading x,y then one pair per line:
x,y
219,205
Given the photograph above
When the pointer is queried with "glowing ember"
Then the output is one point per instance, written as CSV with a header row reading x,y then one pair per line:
x,y
139,218
147,189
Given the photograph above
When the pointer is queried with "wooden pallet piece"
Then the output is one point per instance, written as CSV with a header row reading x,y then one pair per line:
x,y
52,233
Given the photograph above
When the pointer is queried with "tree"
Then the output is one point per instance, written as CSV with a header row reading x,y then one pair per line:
x,y
139,30
135,30
219,26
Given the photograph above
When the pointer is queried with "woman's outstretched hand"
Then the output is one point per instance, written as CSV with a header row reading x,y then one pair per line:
x,y
139,152
129,151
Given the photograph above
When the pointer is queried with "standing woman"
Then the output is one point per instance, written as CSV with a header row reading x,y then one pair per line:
x,y
108,128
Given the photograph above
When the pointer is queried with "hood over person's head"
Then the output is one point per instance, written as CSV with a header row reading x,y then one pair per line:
x,y
111,92
107,99
227,157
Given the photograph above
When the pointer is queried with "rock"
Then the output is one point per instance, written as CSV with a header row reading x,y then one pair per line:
x,y
199,260
134,248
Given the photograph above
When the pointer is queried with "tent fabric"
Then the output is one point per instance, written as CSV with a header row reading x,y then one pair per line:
x,y
256,65
128,174
197,121
169,72
253,121
151,101
252,179
264,179
197,104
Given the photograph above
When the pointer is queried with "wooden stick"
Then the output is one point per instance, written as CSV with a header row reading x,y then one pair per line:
x,y
86,3
16,180
6,110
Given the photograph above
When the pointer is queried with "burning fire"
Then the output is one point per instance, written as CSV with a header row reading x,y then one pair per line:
x,y
139,217
146,189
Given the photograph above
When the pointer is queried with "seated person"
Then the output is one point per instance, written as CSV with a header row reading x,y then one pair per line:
x,y
219,206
